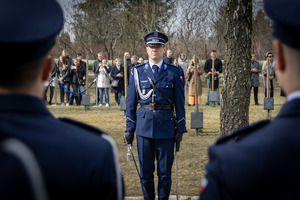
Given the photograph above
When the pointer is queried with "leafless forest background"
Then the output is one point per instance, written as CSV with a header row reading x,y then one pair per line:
x,y
114,26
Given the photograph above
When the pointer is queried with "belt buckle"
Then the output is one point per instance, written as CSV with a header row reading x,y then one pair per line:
x,y
153,106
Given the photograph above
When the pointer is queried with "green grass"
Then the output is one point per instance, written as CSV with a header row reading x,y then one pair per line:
x,y
192,157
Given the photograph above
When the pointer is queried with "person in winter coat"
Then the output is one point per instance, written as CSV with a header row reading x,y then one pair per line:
x,y
103,82
272,77
117,73
65,79
192,90
184,64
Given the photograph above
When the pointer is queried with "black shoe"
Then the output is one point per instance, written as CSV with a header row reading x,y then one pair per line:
x,y
207,104
218,104
257,104
50,103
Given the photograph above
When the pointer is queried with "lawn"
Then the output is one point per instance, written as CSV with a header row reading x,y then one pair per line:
x,y
192,157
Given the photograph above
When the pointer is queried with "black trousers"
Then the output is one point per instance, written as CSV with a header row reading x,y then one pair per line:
x,y
271,90
255,90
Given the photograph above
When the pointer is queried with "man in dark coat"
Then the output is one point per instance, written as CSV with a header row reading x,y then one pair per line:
x,y
208,69
255,70
153,122
168,58
263,163
74,160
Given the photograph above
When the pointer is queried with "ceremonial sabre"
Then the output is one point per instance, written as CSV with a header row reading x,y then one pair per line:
x,y
128,157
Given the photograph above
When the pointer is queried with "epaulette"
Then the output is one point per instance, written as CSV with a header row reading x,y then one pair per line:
x,y
172,65
139,65
82,125
239,134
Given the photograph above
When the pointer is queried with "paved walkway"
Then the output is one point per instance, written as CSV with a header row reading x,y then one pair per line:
x,y
172,197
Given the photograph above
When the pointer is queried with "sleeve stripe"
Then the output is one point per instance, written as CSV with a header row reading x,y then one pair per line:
x,y
117,166
30,164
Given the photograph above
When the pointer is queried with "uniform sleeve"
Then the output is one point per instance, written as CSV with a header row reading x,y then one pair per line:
x,y
179,103
213,184
131,104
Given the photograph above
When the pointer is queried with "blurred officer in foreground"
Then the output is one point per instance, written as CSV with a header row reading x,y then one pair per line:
x,y
154,122
264,162
77,161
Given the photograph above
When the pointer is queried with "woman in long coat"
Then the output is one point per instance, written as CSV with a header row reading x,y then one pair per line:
x,y
117,73
191,78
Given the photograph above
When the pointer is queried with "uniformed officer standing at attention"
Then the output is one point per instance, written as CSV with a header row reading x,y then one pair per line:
x,y
264,162
159,88
76,161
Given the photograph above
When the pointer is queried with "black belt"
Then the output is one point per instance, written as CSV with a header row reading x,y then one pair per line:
x,y
155,106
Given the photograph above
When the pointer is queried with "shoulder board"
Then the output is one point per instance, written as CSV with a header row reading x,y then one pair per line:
x,y
239,134
82,125
139,65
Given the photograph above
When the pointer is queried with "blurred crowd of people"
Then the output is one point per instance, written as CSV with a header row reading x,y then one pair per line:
x,y
71,72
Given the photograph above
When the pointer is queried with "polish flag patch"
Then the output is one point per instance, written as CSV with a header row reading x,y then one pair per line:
x,y
181,78
204,183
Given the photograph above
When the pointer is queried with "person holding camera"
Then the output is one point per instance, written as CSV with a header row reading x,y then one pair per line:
x,y
117,87
103,82
78,81
192,89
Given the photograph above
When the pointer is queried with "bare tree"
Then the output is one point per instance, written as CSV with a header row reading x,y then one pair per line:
x,y
236,85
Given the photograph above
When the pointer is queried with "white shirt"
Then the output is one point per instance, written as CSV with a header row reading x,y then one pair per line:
x,y
158,64
293,95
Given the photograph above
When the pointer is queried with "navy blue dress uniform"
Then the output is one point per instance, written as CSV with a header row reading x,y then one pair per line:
x,y
262,161
153,122
77,161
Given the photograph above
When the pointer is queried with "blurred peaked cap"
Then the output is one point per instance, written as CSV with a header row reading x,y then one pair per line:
x,y
30,26
213,50
286,20
156,38
78,54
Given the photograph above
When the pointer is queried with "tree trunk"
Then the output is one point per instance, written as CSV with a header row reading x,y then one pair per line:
x,y
236,85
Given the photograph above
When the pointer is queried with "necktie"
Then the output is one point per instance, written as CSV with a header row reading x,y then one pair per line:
x,y
156,68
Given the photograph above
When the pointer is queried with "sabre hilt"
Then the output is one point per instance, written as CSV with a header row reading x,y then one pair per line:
x,y
128,153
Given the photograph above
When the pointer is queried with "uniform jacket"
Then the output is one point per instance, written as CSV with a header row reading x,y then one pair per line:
x,y
264,164
255,75
76,160
192,89
158,124
113,74
272,73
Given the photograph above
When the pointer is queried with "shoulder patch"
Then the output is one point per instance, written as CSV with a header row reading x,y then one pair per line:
x,y
82,125
239,134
